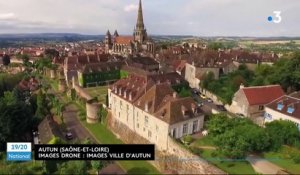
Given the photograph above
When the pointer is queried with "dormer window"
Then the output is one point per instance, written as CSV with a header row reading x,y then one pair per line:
x,y
184,111
163,113
280,106
291,109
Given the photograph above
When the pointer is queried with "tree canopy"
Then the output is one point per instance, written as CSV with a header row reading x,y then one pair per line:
x,y
236,137
6,60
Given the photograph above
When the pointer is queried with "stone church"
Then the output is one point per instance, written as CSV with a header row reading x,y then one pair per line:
x,y
126,45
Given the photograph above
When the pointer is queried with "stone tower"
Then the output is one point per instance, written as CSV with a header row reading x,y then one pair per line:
x,y
108,42
116,34
140,33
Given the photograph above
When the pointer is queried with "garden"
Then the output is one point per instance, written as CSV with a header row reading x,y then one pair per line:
x,y
231,140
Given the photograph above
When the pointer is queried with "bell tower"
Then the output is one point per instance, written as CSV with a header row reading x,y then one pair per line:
x,y
140,33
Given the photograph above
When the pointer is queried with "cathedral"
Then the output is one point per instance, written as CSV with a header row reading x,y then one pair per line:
x,y
127,45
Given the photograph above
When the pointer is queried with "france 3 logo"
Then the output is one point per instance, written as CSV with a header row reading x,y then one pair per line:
x,y
18,151
276,18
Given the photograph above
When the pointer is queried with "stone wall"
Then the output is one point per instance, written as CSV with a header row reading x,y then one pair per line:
x,y
212,96
92,110
175,159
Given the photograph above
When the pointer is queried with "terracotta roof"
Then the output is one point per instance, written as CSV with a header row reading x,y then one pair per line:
x,y
144,61
172,78
261,95
286,102
127,40
154,97
133,86
179,65
178,110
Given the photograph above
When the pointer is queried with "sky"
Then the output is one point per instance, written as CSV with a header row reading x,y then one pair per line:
x,y
161,17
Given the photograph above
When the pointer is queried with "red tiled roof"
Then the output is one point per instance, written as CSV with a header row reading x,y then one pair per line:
x,y
261,95
124,40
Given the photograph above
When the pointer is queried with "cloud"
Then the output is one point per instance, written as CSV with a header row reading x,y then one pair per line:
x,y
7,16
130,8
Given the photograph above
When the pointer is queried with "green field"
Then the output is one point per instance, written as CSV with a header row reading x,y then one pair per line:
x,y
282,159
99,92
105,136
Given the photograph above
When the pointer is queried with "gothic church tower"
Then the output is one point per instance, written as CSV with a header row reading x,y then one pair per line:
x,y
140,33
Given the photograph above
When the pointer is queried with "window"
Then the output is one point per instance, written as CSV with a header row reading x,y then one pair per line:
x,y
121,104
195,126
157,128
146,121
185,129
138,125
261,108
119,114
149,134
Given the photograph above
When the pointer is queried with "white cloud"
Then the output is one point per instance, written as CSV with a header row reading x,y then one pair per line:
x,y
130,8
7,16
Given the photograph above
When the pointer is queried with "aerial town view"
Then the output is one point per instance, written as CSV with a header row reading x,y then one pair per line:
x,y
149,87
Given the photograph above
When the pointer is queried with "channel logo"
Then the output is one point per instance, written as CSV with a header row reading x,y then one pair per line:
x,y
277,17
18,151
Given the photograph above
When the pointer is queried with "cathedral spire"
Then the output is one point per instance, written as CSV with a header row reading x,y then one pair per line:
x,y
140,20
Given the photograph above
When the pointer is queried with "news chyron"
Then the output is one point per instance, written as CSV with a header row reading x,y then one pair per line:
x,y
23,152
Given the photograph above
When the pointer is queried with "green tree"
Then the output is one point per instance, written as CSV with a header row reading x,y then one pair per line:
x,y
282,132
42,106
216,45
218,124
208,78
73,167
6,60
15,119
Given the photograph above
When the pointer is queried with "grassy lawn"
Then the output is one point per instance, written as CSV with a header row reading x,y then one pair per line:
x,y
205,141
220,161
232,167
282,159
99,92
105,136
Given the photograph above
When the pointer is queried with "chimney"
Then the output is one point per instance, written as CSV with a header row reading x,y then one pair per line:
x,y
125,94
116,89
130,96
120,91
242,86
174,95
183,110
146,106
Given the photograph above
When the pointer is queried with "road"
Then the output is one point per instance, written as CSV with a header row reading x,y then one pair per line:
x,y
73,124
207,107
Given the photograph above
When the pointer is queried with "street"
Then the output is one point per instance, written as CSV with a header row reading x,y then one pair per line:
x,y
73,124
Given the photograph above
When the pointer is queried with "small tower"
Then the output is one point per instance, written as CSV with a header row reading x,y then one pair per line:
x,y
116,34
108,42
140,33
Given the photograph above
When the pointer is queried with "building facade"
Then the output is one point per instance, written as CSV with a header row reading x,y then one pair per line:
x,y
155,111
250,101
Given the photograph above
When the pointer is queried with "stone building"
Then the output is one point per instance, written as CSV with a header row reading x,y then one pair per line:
x,y
218,63
153,111
99,74
127,45
73,63
250,101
